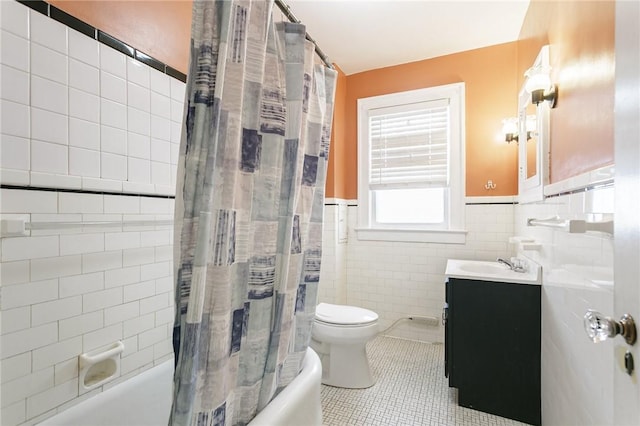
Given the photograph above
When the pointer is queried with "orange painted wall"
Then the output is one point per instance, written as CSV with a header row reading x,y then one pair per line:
x,y
161,29
581,34
491,95
582,45
336,167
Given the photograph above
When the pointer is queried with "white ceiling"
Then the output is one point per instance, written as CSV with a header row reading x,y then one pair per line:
x,y
361,35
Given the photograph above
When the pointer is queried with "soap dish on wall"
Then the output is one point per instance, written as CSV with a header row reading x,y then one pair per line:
x,y
99,367
525,243
531,246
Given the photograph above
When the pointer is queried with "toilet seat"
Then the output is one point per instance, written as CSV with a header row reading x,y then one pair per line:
x,y
343,315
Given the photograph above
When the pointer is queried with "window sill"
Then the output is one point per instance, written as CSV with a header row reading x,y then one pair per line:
x,y
413,235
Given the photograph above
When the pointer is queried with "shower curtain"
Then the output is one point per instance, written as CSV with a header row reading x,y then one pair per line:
x,y
249,206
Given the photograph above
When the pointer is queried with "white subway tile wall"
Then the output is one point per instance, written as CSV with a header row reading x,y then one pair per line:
x,y
69,292
84,49
83,76
333,273
15,19
15,85
15,49
397,279
15,118
577,275
48,32
77,114
62,91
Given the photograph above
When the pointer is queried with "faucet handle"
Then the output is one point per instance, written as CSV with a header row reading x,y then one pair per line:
x,y
522,264
519,265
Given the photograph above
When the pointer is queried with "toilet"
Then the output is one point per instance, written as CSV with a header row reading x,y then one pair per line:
x,y
339,336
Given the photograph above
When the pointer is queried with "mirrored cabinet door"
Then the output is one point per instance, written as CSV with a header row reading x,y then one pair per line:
x,y
533,137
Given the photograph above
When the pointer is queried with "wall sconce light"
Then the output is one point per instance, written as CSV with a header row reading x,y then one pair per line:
x,y
510,128
539,85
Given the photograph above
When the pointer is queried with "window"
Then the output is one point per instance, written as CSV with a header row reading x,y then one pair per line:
x,y
410,162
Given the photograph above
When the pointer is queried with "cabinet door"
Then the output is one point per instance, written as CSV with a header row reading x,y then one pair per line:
x,y
449,352
496,348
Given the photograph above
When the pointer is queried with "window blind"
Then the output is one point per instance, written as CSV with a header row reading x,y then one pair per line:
x,y
410,146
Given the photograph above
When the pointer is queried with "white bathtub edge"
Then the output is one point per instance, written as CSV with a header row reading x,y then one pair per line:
x,y
298,403
151,389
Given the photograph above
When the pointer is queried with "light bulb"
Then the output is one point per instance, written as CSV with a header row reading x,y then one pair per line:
x,y
537,79
509,125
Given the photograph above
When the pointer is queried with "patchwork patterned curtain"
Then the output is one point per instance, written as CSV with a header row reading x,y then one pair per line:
x,y
249,205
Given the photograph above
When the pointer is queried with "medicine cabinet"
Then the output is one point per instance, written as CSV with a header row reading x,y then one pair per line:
x,y
533,137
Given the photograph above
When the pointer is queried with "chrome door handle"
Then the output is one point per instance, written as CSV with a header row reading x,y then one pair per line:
x,y
599,328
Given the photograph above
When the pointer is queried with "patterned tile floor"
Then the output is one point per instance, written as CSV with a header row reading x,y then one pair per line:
x,y
410,390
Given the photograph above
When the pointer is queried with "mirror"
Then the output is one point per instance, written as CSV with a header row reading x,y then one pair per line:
x,y
532,141
533,132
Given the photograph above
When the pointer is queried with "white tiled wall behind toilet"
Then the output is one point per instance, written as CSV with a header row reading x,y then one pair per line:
x,y
398,279
77,114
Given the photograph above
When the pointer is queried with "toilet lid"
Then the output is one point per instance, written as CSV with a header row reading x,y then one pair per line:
x,y
343,314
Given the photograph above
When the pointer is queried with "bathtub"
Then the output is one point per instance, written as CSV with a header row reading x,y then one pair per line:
x,y
145,400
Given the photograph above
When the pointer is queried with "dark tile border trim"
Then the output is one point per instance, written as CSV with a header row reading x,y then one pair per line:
x,y
72,22
152,62
466,204
506,203
37,5
97,34
84,191
584,189
113,42
174,73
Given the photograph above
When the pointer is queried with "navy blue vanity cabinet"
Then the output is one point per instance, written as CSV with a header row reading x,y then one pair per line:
x,y
492,347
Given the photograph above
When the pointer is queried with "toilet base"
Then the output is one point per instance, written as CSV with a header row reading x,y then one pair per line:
x,y
344,365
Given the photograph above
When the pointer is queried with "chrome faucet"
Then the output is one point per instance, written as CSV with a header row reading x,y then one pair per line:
x,y
505,261
516,265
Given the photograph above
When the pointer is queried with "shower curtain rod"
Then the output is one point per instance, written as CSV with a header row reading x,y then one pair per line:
x,y
290,16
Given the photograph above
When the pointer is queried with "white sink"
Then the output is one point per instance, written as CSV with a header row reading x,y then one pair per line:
x,y
484,268
492,271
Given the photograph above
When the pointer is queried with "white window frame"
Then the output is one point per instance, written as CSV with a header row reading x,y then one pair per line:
x,y
454,233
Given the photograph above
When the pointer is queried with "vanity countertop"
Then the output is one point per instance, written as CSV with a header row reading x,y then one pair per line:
x,y
492,271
